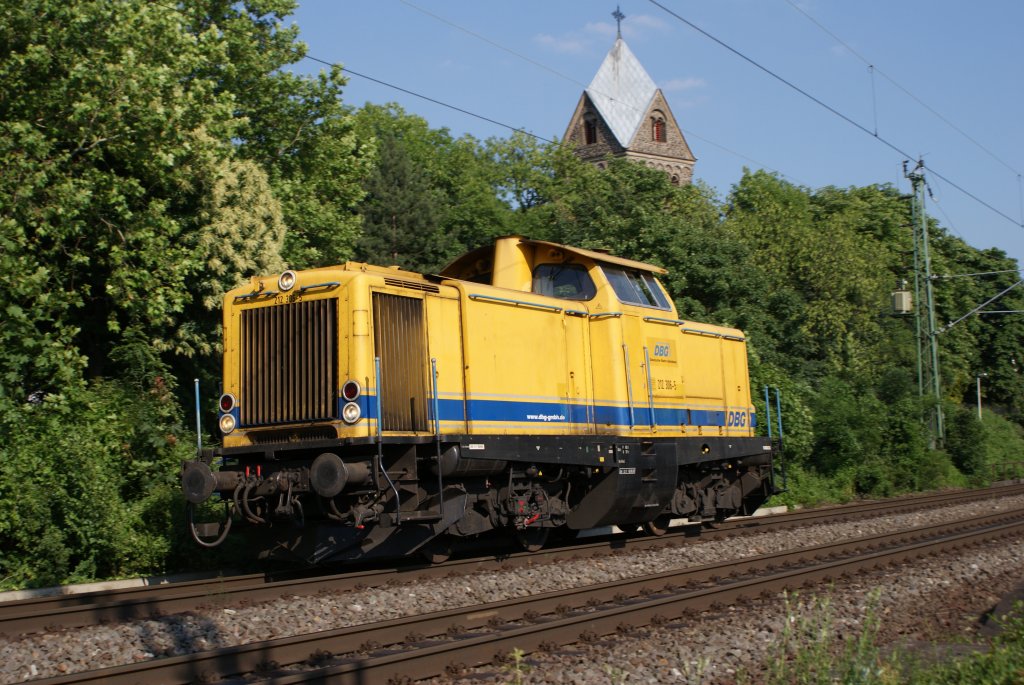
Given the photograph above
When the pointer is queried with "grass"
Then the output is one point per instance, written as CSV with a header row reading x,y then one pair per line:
x,y
812,651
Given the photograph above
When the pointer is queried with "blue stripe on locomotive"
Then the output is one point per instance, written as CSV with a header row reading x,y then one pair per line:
x,y
534,411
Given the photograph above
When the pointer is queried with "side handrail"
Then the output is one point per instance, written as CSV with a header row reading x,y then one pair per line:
x,y
778,417
650,388
629,385
437,438
523,303
378,464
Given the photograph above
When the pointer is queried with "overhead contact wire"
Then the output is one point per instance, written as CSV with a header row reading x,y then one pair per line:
x,y
304,55
898,85
781,79
427,98
826,106
570,79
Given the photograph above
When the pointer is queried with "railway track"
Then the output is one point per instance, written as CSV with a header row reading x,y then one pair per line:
x,y
448,641
67,611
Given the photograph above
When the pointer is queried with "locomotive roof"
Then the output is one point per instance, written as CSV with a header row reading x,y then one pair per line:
x,y
601,257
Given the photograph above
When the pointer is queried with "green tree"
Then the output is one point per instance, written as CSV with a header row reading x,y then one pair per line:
x,y
832,258
402,211
294,127
82,479
119,169
153,155
526,168
430,197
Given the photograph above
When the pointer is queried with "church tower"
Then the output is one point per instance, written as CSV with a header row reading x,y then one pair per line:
x,y
623,114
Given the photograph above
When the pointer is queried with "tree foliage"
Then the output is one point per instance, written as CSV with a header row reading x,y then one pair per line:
x,y
430,197
82,479
154,155
295,128
119,187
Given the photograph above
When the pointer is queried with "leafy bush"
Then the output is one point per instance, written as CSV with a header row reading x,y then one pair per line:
x,y
807,487
1004,445
965,440
85,480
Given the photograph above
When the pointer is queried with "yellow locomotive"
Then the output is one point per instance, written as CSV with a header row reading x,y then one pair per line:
x,y
530,386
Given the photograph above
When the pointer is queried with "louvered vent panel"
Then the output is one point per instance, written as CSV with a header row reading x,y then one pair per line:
x,y
412,285
398,330
289,362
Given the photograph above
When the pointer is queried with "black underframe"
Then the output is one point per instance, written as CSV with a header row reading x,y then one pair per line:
x,y
579,450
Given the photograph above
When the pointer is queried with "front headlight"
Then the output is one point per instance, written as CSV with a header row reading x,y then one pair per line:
x,y
351,412
227,424
286,281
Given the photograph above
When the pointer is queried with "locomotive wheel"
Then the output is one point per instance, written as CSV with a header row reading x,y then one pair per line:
x,y
532,539
658,526
437,550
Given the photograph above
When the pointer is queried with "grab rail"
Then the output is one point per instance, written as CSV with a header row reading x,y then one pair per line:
x,y
378,464
505,300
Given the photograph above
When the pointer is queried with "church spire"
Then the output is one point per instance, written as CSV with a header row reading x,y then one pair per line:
x,y
619,16
622,113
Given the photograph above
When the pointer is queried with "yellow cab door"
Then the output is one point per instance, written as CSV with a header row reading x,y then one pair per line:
x,y
650,351
571,283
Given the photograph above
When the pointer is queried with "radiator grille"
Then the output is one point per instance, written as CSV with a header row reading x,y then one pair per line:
x,y
289,362
398,331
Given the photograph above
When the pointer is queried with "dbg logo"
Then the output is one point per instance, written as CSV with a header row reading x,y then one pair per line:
x,y
736,419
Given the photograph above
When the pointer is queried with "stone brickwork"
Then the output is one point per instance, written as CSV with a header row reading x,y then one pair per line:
x,y
674,146
680,172
605,144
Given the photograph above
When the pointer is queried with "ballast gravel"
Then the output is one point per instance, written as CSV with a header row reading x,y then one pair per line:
x,y
711,648
914,605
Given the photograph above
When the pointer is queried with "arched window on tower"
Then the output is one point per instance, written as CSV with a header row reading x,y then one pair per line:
x,y
589,131
658,127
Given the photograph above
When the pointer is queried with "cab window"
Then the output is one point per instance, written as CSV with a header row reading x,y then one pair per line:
x,y
564,281
636,287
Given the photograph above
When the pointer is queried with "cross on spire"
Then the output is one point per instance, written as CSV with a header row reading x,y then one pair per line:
x,y
619,16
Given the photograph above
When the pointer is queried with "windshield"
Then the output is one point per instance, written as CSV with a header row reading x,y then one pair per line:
x,y
564,281
636,287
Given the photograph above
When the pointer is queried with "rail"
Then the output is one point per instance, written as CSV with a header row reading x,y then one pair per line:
x,y
428,644
18,617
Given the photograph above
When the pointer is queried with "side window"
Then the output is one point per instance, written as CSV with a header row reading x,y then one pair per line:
x,y
636,287
564,281
656,291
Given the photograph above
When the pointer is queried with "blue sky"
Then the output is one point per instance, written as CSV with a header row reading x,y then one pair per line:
x,y
525,64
